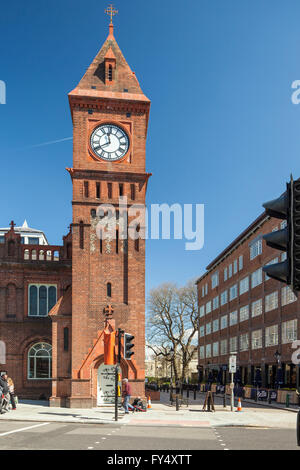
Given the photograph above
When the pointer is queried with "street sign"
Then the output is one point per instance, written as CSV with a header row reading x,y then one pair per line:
x,y
106,384
232,364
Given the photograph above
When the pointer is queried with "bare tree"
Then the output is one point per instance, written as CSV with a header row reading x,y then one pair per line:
x,y
172,324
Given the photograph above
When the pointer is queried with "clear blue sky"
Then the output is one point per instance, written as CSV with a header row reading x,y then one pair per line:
x,y
223,130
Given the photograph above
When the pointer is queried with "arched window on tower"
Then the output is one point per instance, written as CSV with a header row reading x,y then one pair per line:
x,y
108,289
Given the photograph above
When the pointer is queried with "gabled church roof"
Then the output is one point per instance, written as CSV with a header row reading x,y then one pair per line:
x,y
125,84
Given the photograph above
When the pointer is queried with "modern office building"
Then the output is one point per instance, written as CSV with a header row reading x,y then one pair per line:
x,y
242,310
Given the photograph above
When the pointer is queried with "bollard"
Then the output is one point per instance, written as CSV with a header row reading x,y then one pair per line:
x,y
177,404
188,393
224,398
269,398
195,394
287,402
208,403
298,428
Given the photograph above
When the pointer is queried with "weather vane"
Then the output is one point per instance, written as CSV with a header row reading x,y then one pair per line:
x,y
111,11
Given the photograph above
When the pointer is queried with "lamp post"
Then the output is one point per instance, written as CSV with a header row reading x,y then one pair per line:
x,y
171,353
277,356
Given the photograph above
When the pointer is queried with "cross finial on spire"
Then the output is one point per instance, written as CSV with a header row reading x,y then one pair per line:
x,y
111,11
12,225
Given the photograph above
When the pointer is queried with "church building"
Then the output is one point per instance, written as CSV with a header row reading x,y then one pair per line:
x,y
54,299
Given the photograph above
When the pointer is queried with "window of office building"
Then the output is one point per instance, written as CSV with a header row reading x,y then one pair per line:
x,y
224,297
235,266
271,301
233,344
287,296
215,325
216,303
256,339
208,328
255,248
223,347
256,278
214,280
241,262
271,335
244,285
289,331
208,350
233,318
223,322
244,342
233,292
202,311
216,349
208,307
256,308
244,313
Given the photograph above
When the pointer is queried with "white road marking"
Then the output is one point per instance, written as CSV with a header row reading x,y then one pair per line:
x,y
22,429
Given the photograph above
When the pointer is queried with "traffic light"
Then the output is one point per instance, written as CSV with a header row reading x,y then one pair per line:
x,y
128,345
286,207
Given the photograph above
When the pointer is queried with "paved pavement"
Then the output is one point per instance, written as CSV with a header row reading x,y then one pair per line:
x,y
161,414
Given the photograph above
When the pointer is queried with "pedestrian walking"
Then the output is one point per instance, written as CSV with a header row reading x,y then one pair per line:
x,y
11,387
126,395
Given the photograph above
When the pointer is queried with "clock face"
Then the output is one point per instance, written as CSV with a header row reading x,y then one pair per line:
x,y
109,142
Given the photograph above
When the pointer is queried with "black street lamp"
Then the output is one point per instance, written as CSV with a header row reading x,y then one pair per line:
x,y
277,356
171,353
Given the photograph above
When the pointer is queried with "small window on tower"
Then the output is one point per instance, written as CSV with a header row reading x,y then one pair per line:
x,y
117,241
93,213
98,190
66,339
108,289
132,188
121,189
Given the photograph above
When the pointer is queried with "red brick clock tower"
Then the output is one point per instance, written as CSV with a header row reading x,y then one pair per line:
x,y
110,118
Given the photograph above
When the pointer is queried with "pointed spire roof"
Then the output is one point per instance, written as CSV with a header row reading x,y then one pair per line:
x,y
25,225
125,84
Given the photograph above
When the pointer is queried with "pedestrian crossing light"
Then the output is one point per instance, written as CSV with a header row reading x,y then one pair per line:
x,y
128,345
286,207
